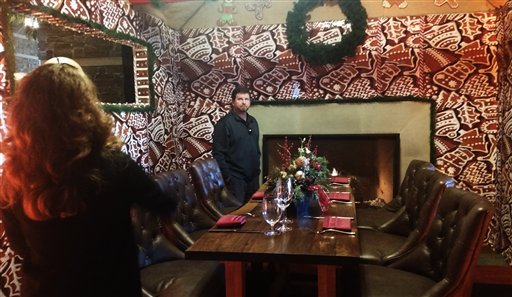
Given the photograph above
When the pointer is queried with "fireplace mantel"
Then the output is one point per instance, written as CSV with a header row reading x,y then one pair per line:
x,y
411,118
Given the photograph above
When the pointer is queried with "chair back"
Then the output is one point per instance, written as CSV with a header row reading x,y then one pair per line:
x,y
415,218
211,189
407,183
451,249
153,246
420,199
191,219
375,218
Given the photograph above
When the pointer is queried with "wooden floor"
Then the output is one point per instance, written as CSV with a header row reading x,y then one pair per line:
x,y
493,276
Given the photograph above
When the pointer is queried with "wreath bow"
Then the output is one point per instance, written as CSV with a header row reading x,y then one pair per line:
x,y
320,53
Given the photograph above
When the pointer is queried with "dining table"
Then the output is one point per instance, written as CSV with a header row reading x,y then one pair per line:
x,y
237,247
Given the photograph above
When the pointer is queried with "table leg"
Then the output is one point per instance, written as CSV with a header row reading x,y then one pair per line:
x,y
326,280
235,279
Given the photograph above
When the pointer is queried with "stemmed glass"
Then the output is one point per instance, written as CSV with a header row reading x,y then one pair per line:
x,y
271,213
284,195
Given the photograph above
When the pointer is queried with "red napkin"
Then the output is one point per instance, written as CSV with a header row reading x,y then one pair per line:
x,y
340,179
258,195
337,223
342,196
229,221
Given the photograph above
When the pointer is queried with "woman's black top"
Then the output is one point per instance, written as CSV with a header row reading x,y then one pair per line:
x,y
91,254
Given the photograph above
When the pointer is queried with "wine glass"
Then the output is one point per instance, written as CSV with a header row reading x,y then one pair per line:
x,y
272,213
284,196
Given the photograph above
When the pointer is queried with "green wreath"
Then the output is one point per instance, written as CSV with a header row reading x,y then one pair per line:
x,y
320,53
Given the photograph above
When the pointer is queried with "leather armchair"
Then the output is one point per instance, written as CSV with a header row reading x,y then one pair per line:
x,y
409,226
211,189
443,264
191,220
374,217
163,270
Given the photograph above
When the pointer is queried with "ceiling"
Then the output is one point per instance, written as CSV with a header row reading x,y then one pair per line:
x,y
185,14
176,13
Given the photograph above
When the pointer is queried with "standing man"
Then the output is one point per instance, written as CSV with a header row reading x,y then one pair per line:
x,y
236,146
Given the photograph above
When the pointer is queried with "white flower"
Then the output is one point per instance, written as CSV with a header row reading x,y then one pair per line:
x,y
299,175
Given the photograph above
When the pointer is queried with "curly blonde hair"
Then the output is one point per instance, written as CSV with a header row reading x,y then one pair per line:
x,y
56,134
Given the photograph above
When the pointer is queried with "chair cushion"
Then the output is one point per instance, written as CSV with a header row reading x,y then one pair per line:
x,y
372,217
376,246
184,278
384,281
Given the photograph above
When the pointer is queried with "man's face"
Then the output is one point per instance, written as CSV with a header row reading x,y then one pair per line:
x,y
241,103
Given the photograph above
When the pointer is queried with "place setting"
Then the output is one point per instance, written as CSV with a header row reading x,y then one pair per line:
x,y
340,197
273,211
231,223
336,224
337,180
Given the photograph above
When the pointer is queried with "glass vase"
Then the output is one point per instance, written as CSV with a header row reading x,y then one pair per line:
x,y
302,205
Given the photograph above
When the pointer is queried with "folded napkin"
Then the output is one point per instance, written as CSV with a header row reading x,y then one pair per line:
x,y
230,221
337,223
342,196
340,179
258,195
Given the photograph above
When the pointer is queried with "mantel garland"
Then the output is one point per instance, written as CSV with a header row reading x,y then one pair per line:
x,y
355,100
320,53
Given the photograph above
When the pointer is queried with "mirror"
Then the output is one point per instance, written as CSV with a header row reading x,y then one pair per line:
x,y
119,64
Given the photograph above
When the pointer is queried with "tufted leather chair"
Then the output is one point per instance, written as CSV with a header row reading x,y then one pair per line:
x,y
409,226
374,217
191,220
443,264
211,189
163,270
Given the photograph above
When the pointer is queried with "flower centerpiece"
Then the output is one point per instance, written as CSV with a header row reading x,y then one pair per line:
x,y
309,171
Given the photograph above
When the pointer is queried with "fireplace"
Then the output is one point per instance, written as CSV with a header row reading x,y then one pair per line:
x,y
371,160
408,120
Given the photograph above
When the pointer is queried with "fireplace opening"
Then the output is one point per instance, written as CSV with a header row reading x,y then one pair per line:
x,y
372,161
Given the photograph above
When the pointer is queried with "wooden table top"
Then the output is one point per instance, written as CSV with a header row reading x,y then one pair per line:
x,y
300,245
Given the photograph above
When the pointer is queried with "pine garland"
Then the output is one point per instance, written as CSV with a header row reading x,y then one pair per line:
x,y
321,53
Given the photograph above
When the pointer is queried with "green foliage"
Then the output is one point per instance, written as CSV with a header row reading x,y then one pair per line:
x,y
157,3
320,53
305,167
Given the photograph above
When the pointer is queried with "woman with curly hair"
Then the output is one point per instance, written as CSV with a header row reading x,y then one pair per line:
x,y
66,189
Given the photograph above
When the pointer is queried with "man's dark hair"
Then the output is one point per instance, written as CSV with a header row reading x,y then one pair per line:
x,y
239,90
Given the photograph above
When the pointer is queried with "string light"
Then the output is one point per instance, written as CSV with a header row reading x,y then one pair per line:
x,y
31,22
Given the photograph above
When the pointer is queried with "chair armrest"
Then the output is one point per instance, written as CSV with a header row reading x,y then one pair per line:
x,y
175,233
397,224
228,200
212,209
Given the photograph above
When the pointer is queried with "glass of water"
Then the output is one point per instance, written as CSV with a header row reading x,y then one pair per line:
x,y
284,196
271,213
